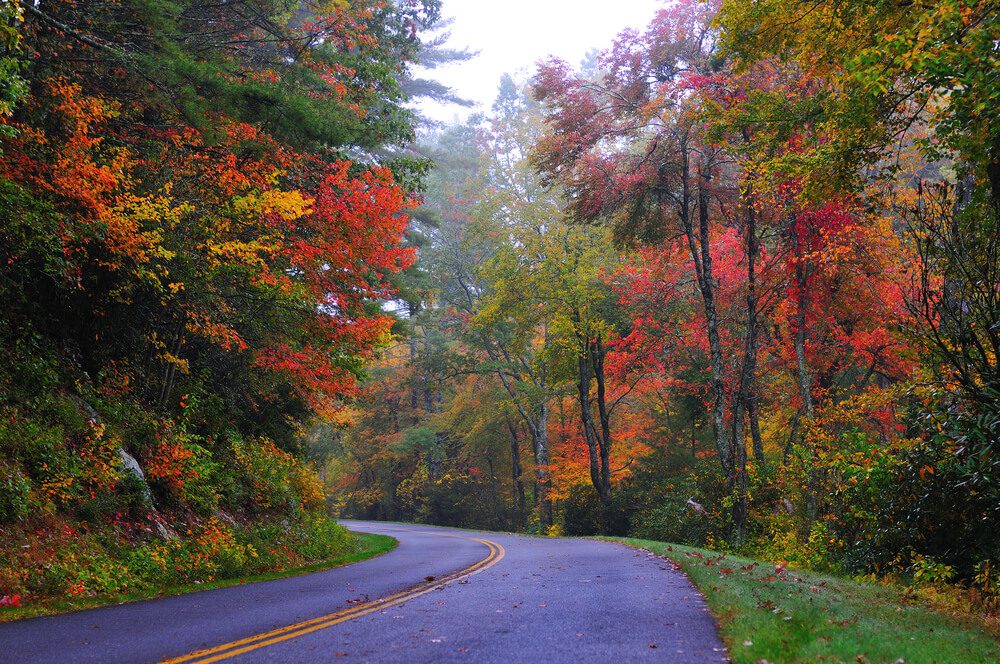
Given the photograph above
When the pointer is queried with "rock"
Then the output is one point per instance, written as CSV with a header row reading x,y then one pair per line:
x,y
131,465
87,410
164,531
696,506
225,518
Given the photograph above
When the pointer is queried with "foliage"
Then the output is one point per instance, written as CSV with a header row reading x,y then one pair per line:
x,y
64,566
733,281
197,228
887,68
737,274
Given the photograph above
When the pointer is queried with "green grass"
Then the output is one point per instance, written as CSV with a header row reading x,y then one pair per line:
x,y
797,616
366,546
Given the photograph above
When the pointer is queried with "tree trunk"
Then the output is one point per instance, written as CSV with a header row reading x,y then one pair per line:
x,y
411,308
542,466
748,370
804,376
699,244
793,434
515,473
590,366
605,442
170,369
586,417
537,420
758,441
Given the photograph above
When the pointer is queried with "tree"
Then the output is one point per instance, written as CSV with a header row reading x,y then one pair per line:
x,y
887,69
630,148
198,230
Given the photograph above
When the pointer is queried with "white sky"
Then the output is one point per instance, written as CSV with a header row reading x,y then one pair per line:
x,y
512,35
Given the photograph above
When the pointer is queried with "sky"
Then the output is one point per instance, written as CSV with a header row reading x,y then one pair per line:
x,y
512,35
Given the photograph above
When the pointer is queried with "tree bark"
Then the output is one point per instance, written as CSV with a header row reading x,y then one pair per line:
x,y
699,245
515,473
544,482
590,367
748,369
804,375
758,441
536,418
597,355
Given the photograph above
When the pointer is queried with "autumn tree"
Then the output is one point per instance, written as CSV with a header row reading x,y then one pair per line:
x,y
886,69
631,148
199,229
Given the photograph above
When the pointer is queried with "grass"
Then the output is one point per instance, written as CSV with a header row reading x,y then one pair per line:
x,y
366,546
772,615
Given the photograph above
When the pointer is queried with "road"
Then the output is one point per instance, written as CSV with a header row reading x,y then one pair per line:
x,y
441,595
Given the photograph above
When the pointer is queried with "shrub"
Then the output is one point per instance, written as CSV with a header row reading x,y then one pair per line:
x,y
581,511
15,493
274,479
927,571
182,470
942,501
658,497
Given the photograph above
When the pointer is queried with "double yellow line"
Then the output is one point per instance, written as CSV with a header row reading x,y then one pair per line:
x,y
234,648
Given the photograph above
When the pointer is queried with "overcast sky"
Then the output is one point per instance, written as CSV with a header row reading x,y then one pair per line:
x,y
512,35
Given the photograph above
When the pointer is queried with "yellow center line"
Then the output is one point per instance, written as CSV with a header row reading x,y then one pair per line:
x,y
233,648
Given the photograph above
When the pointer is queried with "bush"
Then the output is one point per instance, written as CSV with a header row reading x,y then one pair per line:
x,y
274,479
657,498
581,511
182,470
670,518
943,505
62,561
127,499
15,493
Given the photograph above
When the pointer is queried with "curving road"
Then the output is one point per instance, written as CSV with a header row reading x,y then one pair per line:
x,y
441,595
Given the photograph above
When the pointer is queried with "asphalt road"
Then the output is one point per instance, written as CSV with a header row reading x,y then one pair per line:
x,y
441,595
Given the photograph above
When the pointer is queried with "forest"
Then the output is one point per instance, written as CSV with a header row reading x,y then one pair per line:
x,y
731,281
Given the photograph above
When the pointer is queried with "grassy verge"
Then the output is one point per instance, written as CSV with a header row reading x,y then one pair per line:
x,y
775,615
365,546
